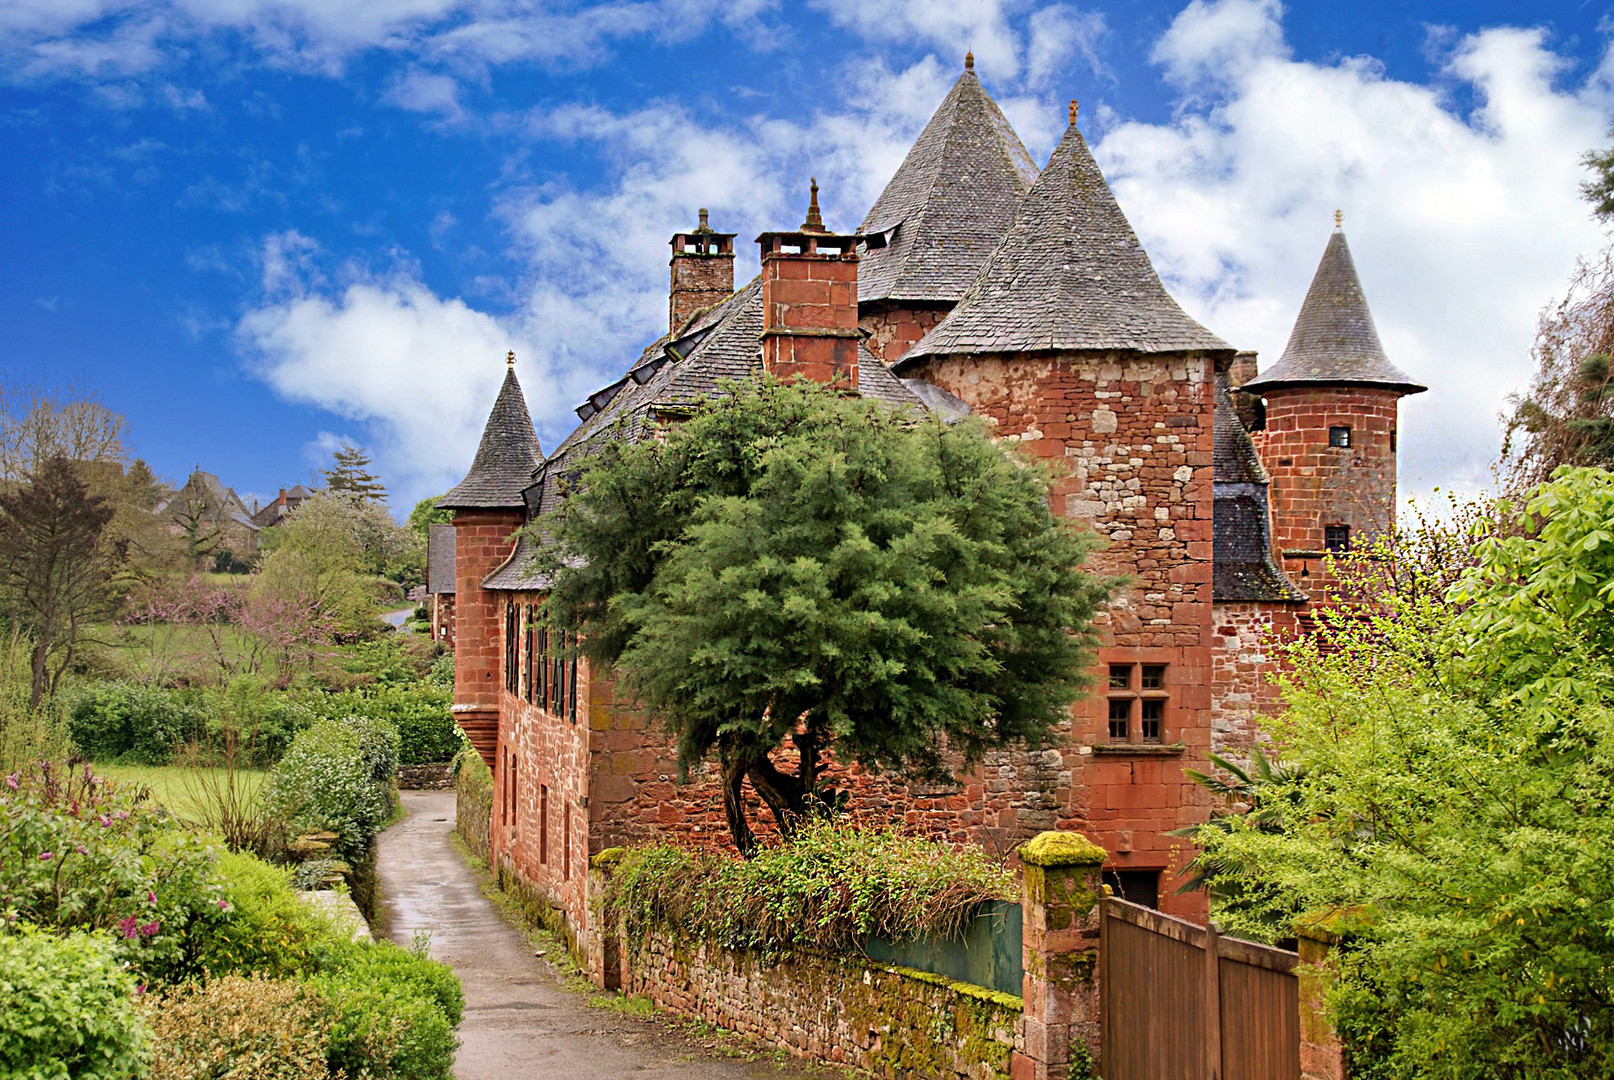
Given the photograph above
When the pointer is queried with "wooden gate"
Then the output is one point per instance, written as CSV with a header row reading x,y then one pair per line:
x,y
1181,1002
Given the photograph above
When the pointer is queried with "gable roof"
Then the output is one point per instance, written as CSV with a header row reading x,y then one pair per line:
x,y
1068,275
1334,341
506,458
949,204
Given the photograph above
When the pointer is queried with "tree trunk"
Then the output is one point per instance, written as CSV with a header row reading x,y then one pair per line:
x,y
783,794
734,765
41,653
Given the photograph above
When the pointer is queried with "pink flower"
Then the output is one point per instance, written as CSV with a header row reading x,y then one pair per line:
x,y
128,927
106,822
12,781
224,905
44,855
149,929
151,897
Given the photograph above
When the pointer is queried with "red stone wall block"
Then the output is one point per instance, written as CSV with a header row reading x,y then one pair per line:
x,y
1244,660
482,540
893,329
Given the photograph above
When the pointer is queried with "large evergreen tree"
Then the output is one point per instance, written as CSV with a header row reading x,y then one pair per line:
x,y
351,475
793,566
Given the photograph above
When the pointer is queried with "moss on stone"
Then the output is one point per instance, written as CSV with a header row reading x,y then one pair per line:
x,y
607,858
1062,849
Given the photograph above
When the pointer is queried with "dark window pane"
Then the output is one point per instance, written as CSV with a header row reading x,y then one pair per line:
x,y
1120,717
1154,676
1135,886
1337,537
1339,436
1120,676
1152,712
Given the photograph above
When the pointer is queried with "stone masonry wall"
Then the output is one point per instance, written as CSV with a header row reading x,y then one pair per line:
x,y
1243,661
482,540
893,330
838,1009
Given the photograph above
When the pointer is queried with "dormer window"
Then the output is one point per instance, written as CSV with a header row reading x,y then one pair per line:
x,y
1339,436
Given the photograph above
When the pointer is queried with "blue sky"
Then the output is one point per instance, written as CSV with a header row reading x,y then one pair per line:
x,y
257,227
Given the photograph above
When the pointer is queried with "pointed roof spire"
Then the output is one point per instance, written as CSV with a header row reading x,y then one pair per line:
x,y
506,458
815,220
1069,275
969,61
948,204
1334,341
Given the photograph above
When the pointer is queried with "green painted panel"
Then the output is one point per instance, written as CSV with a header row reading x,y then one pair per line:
x,y
987,955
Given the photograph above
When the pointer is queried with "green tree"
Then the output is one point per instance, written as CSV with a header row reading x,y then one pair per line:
x,y
1451,797
425,514
57,569
327,554
351,475
794,566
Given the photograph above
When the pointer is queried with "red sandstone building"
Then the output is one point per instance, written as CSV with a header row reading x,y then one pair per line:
x,y
976,284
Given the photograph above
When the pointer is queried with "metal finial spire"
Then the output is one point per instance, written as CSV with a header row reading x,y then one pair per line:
x,y
815,220
969,61
510,358
1075,108
1339,219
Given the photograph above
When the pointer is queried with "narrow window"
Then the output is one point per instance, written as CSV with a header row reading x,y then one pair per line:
x,y
543,824
566,845
510,792
1392,440
540,678
1337,538
1340,436
571,682
1120,676
1135,886
1154,677
510,674
1120,719
529,634
1151,712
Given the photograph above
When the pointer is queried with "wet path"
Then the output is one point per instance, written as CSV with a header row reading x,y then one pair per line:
x,y
519,1021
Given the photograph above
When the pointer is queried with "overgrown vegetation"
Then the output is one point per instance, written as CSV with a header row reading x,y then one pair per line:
x,y
830,886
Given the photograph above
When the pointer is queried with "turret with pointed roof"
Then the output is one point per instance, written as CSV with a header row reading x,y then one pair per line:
x,y
948,204
1069,275
1334,342
507,457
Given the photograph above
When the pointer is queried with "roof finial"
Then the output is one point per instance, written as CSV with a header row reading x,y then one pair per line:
x,y
815,220
969,61
704,226
1339,219
1075,108
510,358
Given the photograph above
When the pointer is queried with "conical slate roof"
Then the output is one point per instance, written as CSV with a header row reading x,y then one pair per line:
x,y
949,204
506,458
1069,275
1334,341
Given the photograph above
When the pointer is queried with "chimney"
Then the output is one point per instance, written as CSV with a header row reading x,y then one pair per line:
x,y
809,302
1243,369
702,272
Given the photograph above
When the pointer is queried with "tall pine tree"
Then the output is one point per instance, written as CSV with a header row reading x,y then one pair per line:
x,y
351,475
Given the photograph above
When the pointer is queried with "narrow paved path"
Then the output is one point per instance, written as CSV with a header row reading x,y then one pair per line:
x,y
519,1021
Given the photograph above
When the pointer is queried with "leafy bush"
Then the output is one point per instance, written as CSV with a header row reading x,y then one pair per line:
x,y
337,775
118,721
394,1014
831,886
68,1009
77,852
267,930
473,802
421,711
442,670
236,1028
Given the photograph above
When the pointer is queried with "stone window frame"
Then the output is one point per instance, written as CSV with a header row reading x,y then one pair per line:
x,y
1339,436
1138,692
511,674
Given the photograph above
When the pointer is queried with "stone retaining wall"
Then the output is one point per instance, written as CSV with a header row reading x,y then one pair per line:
x,y
434,777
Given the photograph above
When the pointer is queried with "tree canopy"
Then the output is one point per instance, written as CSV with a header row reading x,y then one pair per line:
x,y
351,475
1448,797
792,566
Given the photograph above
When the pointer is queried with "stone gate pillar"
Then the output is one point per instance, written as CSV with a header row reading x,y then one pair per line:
x,y
1060,1037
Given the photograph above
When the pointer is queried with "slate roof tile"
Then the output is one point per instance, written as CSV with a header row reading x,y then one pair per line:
x,y
506,458
1242,567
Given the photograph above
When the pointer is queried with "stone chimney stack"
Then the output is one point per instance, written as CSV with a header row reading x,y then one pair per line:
x,y
702,272
809,302
1243,369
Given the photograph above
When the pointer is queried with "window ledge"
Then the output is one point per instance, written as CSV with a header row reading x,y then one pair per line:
x,y
1141,749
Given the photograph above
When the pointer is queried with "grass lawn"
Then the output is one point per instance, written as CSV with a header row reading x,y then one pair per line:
x,y
183,789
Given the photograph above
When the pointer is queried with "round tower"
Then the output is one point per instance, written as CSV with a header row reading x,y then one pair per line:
x,y
1327,432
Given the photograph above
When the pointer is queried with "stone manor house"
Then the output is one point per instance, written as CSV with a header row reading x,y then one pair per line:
x,y
977,283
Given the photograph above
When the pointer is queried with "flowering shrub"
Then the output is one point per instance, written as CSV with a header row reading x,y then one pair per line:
x,y
68,1008
337,775
79,853
267,931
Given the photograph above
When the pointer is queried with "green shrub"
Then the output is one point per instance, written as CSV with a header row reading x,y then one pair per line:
x,y
118,721
442,671
473,802
421,711
237,1028
67,1008
337,775
79,853
394,1014
266,930
831,886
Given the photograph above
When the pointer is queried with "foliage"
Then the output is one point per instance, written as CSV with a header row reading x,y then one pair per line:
x,y
426,514
420,712
338,776
77,852
1453,799
830,886
394,1014
56,567
27,732
351,475
473,802
68,1009
268,932
792,563
119,721
215,633
236,1028
326,552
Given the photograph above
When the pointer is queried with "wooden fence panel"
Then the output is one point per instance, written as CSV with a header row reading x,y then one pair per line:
x,y
1168,1014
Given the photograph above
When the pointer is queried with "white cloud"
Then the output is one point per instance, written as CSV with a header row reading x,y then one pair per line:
x,y
952,26
1462,226
1057,34
425,92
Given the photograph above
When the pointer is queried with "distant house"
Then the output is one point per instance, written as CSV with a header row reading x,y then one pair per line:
x,y
210,517
440,581
277,510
